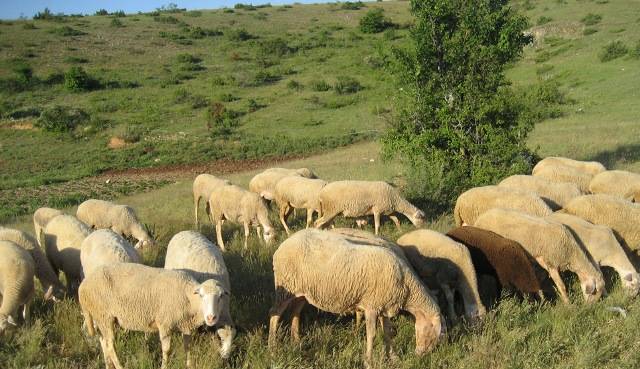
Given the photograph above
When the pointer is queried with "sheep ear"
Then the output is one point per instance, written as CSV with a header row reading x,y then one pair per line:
x,y
49,293
196,291
628,277
11,321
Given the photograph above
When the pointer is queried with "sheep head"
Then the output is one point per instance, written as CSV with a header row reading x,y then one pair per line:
x,y
631,283
418,218
212,297
592,288
429,329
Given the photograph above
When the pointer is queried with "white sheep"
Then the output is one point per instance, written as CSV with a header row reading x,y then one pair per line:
x,y
238,205
446,265
44,272
202,187
551,244
293,192
589,167
618,183
565,174
42,216
338,275
121,219
103,247
472,203
192,252
603,246
363,198
264,183
141,298
17,270
62,238
553,193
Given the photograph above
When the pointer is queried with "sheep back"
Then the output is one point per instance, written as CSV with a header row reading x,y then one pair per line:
x,y
565,174
63,238
42,216
359,198
203,184
589,167
103,247
298,191
554,194
264,183
618,183
17,270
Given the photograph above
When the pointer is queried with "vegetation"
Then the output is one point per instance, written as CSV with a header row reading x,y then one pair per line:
x,y
374,21
613,50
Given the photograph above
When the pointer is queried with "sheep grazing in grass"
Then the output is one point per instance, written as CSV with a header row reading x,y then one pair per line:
x,y
618,183
604,248
264,184
551,244
553,193
472,203
565,174
446,265
622,216
298,192
589,167
192,252
141,298
202,187
121,219
338,275
62,238
104,247
238,205
362,198
44,272
41,217
17,270
501,258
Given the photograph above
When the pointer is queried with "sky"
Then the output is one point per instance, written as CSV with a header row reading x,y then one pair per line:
x,y
13,9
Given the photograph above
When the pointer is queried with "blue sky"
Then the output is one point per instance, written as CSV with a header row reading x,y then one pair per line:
x,y
12,9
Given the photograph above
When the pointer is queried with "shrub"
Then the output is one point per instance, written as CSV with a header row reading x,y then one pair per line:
x,y
245,7
227,97
76,79
221,122
119,14
115,22
102,12
61,119
199,101
591,19
264,77
187,58
67,31
320,85
349,5
29,25
227,10
166,19
23,71
274,47
130,133
253,105
635,53
544,20
374,21
589,31
347,85
46,14
75,60
199,32
239,34
294,85
613,50
24,113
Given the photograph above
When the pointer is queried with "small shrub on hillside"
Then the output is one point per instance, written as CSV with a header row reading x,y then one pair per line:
x,y
54,78
228,97
77,79
544,20
24,113
347,85
130,133
187,58
61,119
76,60
544,69
119,14
199,32
635,53
167,19
613,50
264,77
24,72
541,101
102,12
320,85
228,10
115,22
591,19
222,81
253,105
239,34
248,7
349,5
274,47
29,26
198,101
294,85
374,21
222,123
46,14
589,31
67,31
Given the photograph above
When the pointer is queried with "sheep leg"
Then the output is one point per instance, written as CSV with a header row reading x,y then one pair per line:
x,y
226,335
246,234
196,203
108,337
555,276
219,234
358,320
26,313
309,217
370,318
376,221
285,211
324,220
165,342
186,341
395,220
276,313
105,352
389,333
448,294
298,304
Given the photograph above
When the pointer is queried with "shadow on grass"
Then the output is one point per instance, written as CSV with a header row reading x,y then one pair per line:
x,y
622,154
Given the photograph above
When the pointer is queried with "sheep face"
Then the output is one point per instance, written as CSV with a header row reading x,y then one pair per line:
x,y
429,329
144,243
55,293
6,321
631,283
211,297
418,218
269,235
592,289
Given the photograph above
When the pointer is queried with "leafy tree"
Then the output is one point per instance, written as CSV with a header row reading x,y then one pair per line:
x,y
457,121
374,21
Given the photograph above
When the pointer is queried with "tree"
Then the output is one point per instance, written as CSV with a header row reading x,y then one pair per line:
x,y
457,120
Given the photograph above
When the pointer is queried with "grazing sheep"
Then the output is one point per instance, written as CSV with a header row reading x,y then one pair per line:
x,y
338,275
298,192
565,174
551,244
192,252
604,248
501,258
444,264
104,247
362,198
554,194
622,216
17,270
141,298
589,167
472,203
238,205
264,184
121,219
202,187
618,183
44,272
41,217
62,238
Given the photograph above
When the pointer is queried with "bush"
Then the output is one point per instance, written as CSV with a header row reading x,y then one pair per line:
x,y
61,119
75,60
349,5
222,123
294,85
613,50
589,31
187,58
130,133
167,19
46,14
102,12
245,7
591,19
29,26
274,47
347,85
264,77
544,20
228,97
253,105
374,21
239,34
67,31
24,72
320,85
24,113
115,22
635,53
119,14
76,79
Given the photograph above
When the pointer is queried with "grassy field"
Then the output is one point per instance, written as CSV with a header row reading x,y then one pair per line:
x,y
600,122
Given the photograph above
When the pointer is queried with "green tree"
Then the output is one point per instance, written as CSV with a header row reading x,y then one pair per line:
x,y
457,121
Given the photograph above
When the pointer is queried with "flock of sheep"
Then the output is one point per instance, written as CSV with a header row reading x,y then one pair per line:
x,y
568,215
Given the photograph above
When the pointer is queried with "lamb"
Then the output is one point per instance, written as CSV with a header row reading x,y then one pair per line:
x,y
501,258
554,194
62,238
264,183
202,187
238,205
444,264
141,298
551,244
604,248
362,198
338,275
42,216
192,252
297,192
565,174
476,201
103,247
121,219
44,272
17,270
622,216
589,167
618,183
